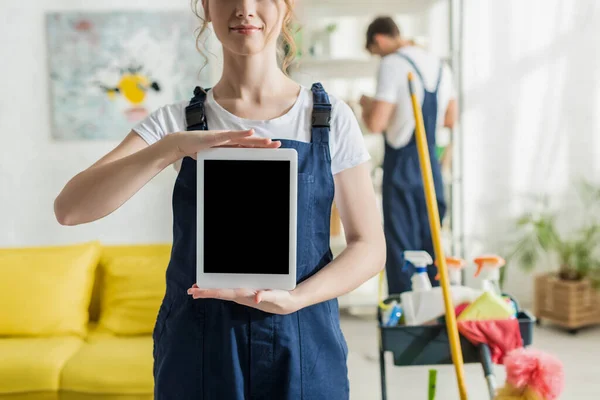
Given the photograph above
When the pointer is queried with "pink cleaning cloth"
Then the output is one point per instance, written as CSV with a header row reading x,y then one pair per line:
x,y
502,336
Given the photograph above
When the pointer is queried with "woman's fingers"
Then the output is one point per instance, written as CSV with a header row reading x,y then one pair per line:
x,y
266,296
219,138
252,140
259,297
241,139
221,294
272,145
257,142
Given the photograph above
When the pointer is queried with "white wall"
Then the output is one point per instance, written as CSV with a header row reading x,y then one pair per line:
x,y
33,167
531,112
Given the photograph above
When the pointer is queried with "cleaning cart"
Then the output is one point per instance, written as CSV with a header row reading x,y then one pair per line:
x,y
429,345
436,344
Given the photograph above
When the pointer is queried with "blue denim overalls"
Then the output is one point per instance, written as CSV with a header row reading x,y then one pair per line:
x,y
406,222
218,350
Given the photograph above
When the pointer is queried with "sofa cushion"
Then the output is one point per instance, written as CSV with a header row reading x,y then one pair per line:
x,y
36,396
46,291
111,365
90,396
34,364
132,290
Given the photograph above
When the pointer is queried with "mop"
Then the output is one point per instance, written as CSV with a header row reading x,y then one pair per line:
x,y
531,374
435,224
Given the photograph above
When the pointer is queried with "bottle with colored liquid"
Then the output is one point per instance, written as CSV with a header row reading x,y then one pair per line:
x,y
393,316
488,267
455,266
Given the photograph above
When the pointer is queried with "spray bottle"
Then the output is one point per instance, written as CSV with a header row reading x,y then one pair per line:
x,y
488,267
420,260
425,304
455,266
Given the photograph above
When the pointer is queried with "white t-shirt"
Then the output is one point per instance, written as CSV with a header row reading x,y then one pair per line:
x,y
346,143
392,87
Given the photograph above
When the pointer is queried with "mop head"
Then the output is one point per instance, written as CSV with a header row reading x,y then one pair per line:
x,y
532,375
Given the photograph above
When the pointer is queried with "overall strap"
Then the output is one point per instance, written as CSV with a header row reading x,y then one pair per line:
x,y
437,85
194,112
321,114
412,63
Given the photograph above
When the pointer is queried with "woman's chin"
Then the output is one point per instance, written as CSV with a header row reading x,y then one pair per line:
x,y
246,49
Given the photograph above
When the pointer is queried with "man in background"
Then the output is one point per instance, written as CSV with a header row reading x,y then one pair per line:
x,y
390,112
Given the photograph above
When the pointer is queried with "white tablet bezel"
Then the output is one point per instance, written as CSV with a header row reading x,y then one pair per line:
x,y
247,281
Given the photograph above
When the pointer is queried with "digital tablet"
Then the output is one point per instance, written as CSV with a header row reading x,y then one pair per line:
x,y
246,218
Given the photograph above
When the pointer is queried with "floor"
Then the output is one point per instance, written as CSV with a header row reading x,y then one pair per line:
x,y
580,355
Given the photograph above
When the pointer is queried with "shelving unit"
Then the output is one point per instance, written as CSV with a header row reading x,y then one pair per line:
x,y
347,68
349,71
360,7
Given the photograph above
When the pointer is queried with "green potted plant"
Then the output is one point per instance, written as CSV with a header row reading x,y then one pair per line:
x,y
567,294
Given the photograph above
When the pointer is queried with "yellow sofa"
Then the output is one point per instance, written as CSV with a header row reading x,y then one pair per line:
x,y
76,321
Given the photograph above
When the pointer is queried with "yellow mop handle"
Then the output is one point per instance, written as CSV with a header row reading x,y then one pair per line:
x,y
434,222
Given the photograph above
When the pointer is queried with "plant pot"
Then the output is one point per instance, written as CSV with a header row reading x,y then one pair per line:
x,y
570,304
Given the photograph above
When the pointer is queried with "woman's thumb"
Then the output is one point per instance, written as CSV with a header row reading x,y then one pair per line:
x,y
263,295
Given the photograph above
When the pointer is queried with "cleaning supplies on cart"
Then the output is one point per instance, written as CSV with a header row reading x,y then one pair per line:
x,y
425,304
455,266
490,320
460,308
432,384
488,306
420,260
512,304
488,267
392,315
501,336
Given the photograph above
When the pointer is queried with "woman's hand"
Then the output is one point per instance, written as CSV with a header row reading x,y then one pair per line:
x,y
271,301
191,142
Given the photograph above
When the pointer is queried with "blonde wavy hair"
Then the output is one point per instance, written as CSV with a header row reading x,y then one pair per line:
x,y
287,46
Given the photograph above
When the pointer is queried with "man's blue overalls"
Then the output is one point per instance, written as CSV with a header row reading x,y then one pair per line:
x,y
406,222
211,349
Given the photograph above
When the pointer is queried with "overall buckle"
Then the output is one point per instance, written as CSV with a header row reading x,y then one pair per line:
x,y
321,116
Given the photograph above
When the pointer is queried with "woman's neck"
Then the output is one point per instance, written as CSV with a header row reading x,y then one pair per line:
x,y
250,78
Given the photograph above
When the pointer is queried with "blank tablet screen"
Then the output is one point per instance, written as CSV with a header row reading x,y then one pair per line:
x,y
246,216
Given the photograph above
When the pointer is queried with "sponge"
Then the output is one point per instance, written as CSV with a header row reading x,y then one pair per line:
x,y
488,306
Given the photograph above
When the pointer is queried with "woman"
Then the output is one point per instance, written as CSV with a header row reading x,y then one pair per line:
x,y
243,344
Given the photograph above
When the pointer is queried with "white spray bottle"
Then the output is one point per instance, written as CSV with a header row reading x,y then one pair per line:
x,y
420,279
488,267
425,304
455,266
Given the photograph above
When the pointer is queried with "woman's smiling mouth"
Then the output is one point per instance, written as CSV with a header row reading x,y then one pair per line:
x,y
245,29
